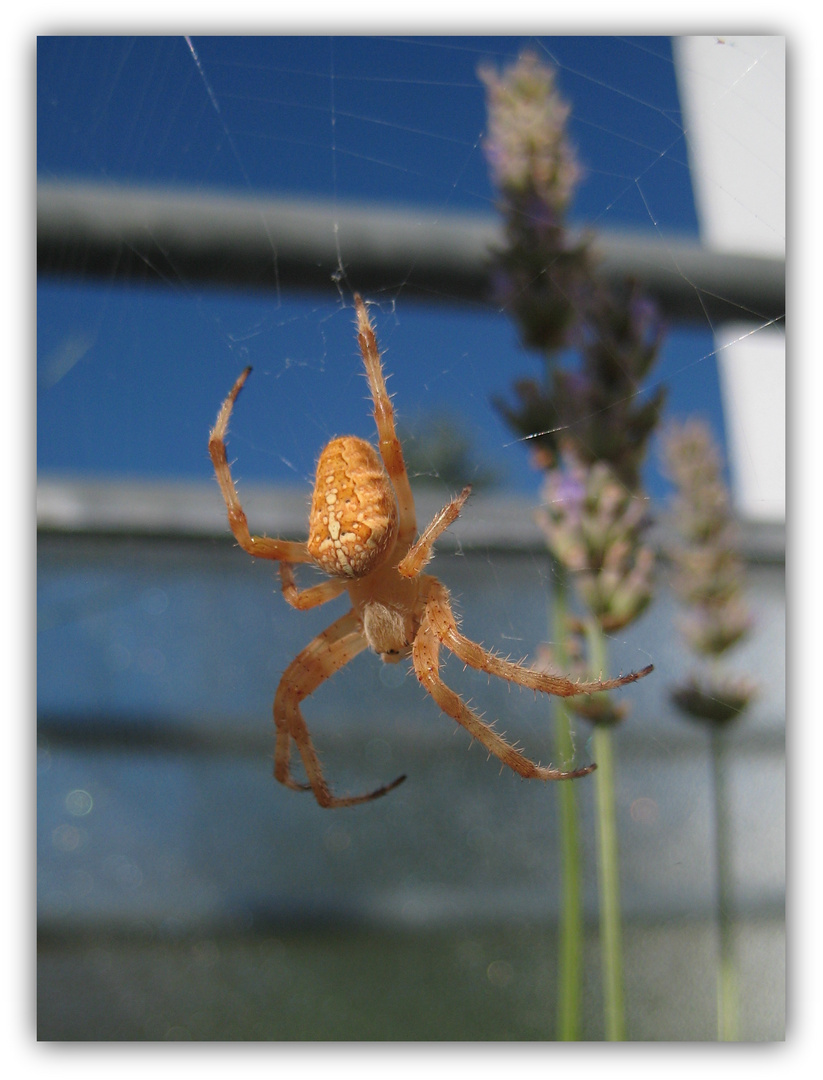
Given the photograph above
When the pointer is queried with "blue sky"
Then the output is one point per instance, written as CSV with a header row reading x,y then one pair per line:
x,y
130,377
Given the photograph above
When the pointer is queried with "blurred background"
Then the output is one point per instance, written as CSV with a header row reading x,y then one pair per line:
x,y
205,204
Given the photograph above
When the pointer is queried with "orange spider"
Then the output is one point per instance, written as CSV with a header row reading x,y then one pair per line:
x,y
362,529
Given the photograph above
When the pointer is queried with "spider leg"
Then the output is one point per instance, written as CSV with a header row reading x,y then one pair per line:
x,y
444,625
390,448
305,599
261,546
426,659
327,653
421,552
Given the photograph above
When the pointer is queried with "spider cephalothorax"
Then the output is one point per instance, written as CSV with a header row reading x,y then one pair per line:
x,y
362,530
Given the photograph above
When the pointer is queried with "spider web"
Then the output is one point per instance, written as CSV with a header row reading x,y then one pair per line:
x,y
129,377
396,122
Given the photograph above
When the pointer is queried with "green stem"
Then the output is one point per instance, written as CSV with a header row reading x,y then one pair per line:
x,y
726,973
611,945
570,953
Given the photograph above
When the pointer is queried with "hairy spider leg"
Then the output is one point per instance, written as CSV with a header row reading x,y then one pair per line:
x,y
305,599
321,658
390,448
426,659
262,547
421,552
444,624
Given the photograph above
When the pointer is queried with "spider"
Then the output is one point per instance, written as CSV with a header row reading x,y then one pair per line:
x,y
362,534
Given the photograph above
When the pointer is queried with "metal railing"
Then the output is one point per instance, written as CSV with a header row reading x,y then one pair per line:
x,y
174,236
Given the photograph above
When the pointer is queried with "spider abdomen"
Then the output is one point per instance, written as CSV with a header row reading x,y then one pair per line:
x,y
353,519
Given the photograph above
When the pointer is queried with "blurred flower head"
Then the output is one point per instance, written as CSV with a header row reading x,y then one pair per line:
x,y
717,699
526,145
593,525
540,273
708,572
